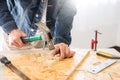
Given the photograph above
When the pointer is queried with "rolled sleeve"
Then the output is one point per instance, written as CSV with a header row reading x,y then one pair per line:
x,y
63,24
59,39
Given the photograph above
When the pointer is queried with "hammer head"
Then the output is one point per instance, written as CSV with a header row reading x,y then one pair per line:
x,y
48,33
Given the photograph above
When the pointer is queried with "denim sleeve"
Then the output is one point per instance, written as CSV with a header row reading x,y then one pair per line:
x,y
64,22
6,20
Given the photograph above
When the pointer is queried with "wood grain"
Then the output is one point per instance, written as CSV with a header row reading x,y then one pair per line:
x,y
41,66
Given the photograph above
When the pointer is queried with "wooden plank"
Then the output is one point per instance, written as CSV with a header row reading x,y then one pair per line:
x,y
79,58
40,66
110,73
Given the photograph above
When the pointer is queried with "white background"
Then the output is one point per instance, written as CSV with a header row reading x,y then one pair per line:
x,y
101,15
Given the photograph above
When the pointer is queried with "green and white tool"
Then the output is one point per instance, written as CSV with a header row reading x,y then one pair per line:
x,y
31,38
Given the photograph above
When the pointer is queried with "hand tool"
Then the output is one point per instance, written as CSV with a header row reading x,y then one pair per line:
x,y
107,55
34,38
8,64
94,42
102,66
31,38
48,34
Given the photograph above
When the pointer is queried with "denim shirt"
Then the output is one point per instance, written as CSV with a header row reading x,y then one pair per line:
x,y
21,14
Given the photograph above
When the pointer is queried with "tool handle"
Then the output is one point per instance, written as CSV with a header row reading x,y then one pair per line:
x,y
25,39
110,56
31,38
4,60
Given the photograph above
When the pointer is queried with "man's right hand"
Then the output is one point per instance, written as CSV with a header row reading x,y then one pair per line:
x,y
14,38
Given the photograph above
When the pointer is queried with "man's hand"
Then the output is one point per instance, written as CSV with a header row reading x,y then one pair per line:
x,y
14,38
63,50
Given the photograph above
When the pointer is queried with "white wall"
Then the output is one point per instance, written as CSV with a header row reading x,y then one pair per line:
x,y
118,20
94,15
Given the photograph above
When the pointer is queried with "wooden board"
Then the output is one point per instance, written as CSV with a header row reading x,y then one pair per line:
x,y
110,73
38,65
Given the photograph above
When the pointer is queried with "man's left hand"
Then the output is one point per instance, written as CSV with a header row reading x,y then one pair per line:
x,y
63,50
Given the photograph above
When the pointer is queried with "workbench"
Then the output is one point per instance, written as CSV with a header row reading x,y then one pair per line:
x,y
81,62
110,73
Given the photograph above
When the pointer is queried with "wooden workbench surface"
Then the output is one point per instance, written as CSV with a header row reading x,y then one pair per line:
x,y
30,64
39,65
110,73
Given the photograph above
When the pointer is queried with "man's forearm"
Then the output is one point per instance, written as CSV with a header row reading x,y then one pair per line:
x,y
6,20
64,22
